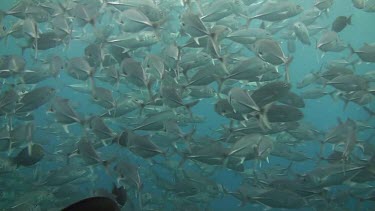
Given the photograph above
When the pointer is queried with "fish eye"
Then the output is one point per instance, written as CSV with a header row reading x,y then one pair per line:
x,y
122,22
183,24
4,28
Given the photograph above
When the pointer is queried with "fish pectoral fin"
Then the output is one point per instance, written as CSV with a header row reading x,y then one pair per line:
x,y
66,129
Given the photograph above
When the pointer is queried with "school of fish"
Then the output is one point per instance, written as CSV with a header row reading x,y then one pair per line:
x,y
101,99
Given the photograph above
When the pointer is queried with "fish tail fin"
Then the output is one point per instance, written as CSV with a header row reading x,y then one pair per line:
x,y
287,64
352,51
263,117
158,24
139,196
335,95
321,151
36,49
183,159
189,105
6,37
319,158
30,143
354,63
149,84
369,111
106,164
371,164
262,25
189,136
2,14
220,82
349,20
288,169
248,21
68,156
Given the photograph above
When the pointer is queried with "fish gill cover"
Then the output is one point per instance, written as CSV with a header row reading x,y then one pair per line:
x,y
187,105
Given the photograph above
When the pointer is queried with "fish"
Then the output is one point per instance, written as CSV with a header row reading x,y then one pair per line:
x,y
121,194
170,102
309,16
341,22
139,145
79,68
241,101
270,51
280,199
8,101
292,99
330,175
100,129
216,11
202,77
248,36
134,40
348,83
103,97
62,175
302,33
48,40
252,69
34,99
124,106
64,113
193,25
94,55
33,77
134,20
93,203
29,156
86,151
129,173
224,108
30,29
134,72
216,154
270,92
11,65
276,11
359,4
283,113
366,53
314,93
323,5
331,42
253,146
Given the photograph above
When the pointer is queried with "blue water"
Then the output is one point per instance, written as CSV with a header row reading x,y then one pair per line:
x,y
322,114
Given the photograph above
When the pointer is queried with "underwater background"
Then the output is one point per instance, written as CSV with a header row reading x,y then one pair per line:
x,y
166,122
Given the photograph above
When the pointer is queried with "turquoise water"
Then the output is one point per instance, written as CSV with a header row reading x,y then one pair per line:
x,y
187,181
